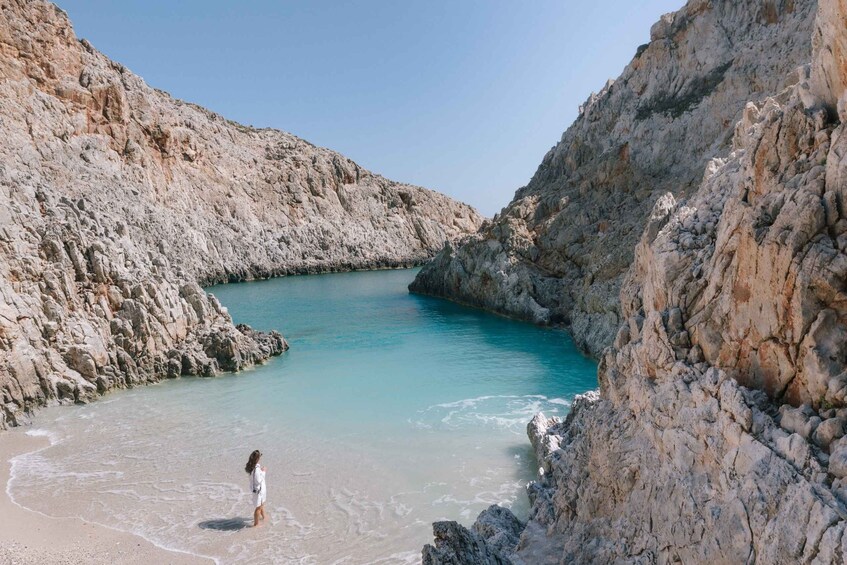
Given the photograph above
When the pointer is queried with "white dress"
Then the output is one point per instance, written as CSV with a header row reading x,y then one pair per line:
x,y
257,486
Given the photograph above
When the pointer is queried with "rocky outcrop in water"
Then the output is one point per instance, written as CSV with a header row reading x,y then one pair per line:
x,y
559,251
718,435
118,200
492,539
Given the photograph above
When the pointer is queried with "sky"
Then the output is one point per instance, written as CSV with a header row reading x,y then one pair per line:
x,y
462,96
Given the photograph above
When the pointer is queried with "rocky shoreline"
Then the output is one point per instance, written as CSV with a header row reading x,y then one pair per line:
x,y
689,230
718,433
321,269
119,201
559,252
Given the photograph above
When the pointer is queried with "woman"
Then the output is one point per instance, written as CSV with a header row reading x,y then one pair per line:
x,y
257,485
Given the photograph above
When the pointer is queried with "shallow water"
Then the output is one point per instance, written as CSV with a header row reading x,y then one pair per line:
x,y
390,411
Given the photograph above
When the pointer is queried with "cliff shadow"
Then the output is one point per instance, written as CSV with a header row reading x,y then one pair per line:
x,y
527,465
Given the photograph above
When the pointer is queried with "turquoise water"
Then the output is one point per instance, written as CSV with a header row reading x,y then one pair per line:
x,y
389,411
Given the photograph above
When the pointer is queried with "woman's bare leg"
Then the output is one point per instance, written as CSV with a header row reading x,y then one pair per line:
x,y
262,509
256,516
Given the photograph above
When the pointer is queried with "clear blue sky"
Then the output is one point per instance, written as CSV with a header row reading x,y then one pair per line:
x,y
462,96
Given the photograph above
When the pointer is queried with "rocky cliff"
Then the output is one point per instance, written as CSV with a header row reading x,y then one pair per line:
x,y
718,434
559,251
118,201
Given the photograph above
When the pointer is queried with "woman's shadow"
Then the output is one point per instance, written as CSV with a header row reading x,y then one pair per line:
x,y
226,524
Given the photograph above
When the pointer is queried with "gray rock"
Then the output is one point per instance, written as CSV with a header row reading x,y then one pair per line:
x,y
718,456
491,541
560,251
500,529
828,76
119,201
828,431
801,420
838,461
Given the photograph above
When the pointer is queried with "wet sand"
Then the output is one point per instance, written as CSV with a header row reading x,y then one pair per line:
x,y
28,537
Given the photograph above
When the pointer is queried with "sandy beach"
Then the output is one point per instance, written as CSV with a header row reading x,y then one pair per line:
x,y
28,537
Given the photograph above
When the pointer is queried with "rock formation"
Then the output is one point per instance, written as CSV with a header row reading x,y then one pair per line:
x,y
118,201
718,434
492,539
559,251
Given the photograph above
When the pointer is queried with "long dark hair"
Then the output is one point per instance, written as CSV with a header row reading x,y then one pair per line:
x,y
254,459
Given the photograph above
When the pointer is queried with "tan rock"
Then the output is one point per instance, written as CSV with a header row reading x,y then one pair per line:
x,y
119,200
560,251
829,70
720,455
828,431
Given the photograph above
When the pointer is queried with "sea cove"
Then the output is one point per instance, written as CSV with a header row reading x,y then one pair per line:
x,y
389,411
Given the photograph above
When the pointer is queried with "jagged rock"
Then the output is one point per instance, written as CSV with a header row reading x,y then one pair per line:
x,y
720,455
500,529
491,541
559,252
801,421
119,201
829,68
838,459
711,477
828,431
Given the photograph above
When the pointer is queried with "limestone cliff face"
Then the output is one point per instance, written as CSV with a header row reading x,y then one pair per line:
x,y
735,312
116,200
718,434
559,251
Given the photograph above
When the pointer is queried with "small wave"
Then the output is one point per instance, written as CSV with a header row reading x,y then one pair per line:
x,y
141,533
470,402
505,495
288,519
359,512
504,412
53,437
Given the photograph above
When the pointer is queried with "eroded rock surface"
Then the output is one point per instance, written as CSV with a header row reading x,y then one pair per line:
x,y
718,434
116,200
491,540
559,251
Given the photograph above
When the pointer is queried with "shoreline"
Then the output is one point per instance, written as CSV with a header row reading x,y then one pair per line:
x,y
30,537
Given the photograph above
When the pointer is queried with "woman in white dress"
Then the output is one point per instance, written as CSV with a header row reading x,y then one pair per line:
x,y
257,485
